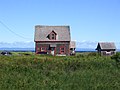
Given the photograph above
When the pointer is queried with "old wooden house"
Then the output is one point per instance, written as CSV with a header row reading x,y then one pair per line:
x,y
106,48
54,40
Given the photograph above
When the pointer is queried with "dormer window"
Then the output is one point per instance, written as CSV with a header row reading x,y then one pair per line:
x,y
52,35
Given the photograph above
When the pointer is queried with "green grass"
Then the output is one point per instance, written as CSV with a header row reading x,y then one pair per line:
x,y
40,72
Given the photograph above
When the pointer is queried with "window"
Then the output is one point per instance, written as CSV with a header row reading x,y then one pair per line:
x,y
38,49
43,49
52,36
62,50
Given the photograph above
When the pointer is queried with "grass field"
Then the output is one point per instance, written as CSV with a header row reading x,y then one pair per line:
x,y
40,72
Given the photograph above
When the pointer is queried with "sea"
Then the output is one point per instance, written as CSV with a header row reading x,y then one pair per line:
x,y
33,49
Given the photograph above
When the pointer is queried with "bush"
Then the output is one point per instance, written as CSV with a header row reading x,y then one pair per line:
x,y
80,56
92,54
116,57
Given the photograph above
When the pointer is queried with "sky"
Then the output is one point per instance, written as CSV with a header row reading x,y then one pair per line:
x,y
89,20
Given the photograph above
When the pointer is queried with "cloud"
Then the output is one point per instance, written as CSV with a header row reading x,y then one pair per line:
x,y
82,44
17,45
92,44
86,44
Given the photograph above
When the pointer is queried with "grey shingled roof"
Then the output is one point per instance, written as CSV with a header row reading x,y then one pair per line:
x,y
41,33
107,45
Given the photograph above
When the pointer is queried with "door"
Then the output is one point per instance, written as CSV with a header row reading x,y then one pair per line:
x,y
53,51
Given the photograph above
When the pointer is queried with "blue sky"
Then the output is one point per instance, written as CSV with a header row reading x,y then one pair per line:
x,y
90,20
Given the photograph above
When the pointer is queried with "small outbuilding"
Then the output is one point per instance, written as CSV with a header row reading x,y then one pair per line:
x,y
106,48
72,47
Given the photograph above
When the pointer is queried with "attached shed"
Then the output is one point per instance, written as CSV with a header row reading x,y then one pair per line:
x,y
106,48
72,47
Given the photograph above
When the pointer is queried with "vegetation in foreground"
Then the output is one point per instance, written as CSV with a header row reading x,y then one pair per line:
x,y
39,72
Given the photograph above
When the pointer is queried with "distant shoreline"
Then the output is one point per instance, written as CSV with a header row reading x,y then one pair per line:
x,y
33,50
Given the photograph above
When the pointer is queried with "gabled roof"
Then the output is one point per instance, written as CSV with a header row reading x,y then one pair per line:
x,y
62,33
106,45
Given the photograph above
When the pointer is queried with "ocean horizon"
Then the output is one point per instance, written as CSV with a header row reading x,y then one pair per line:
x,y
33,49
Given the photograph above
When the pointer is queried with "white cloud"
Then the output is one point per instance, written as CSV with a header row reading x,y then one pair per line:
x,y
86,44
92,44
17,45
29,44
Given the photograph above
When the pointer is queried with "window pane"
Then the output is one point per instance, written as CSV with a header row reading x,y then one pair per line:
x,y
38,49
53,36
62,50
43,49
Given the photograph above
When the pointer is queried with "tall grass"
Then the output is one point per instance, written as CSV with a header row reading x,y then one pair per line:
x,y
39,72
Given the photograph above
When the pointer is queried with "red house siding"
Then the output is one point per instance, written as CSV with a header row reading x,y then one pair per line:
x,y
57,49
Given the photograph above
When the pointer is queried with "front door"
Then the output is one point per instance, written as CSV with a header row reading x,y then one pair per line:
x,y
53,51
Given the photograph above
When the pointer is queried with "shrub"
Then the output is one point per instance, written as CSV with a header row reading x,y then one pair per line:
x,y
116,57
80,56
92,54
